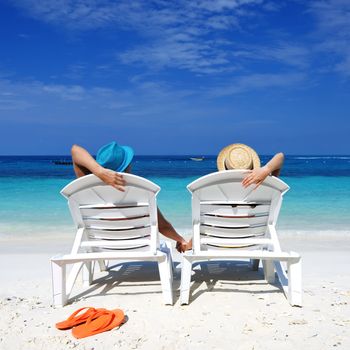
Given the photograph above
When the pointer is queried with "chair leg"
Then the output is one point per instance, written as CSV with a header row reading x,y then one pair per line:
x,y
103,266
269,271
87,274
72,276
59,283
186,273
255,264
166,248
170,260
165,273
171,269
294,283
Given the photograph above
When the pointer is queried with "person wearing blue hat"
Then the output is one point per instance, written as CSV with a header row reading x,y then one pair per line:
x,y
111,161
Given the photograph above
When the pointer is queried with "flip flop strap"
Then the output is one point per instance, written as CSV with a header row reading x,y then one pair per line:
x,y
83,315
98,314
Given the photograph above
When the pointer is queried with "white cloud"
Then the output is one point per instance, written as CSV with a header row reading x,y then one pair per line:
x,y
201,36
14,104
145,103
83,14
70,93
181,34
183,54
289,54
30,95
56,103
257,82
333,33
333,16
221,5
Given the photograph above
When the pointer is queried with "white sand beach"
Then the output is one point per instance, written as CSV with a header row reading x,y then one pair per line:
x,y
231,306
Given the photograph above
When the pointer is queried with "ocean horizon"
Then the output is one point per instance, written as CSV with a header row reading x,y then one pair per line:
x,y
317,203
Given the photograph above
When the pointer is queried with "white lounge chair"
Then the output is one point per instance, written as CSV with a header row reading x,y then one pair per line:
x,y
232,222
111,225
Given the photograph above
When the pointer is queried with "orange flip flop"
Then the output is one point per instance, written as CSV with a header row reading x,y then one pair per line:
x,y
102,321
78,317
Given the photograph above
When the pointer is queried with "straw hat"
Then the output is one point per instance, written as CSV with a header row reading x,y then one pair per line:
x,y
237,156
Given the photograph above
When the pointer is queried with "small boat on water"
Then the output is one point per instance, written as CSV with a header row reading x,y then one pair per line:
x,y
197,159
62,162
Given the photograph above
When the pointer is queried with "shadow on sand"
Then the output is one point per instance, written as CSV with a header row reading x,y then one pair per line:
x,y
140,278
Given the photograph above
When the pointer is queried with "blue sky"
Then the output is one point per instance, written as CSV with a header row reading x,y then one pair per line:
x,y
175,77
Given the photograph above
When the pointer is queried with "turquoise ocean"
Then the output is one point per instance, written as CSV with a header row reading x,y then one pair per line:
x,y
31,205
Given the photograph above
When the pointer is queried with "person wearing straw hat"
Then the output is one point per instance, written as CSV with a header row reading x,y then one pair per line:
x,y
240,156
111,161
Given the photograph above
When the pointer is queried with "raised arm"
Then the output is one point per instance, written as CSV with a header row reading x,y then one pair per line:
x,y
84,164
275,164
257,176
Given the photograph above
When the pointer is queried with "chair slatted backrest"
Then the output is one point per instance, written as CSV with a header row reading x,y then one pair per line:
x,y
112,219
224,212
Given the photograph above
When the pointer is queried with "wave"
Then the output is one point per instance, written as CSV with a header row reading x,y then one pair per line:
x,y
324,157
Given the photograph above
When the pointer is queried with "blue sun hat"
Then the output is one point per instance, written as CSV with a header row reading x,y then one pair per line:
x,y
115,157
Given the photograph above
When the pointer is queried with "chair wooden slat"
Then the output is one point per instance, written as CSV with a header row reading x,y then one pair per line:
x,y
113,212
235,209
132,233
234,221
228,232
117,223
